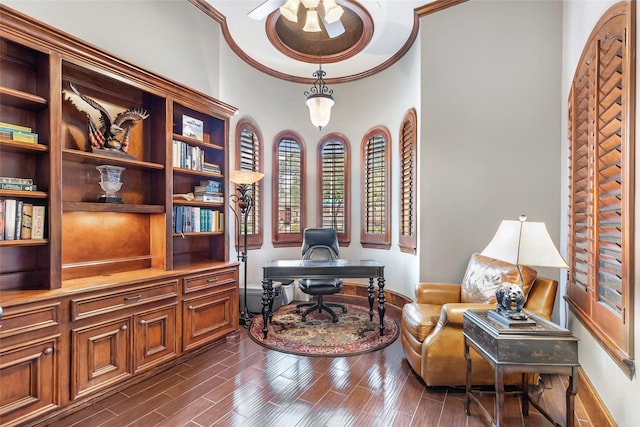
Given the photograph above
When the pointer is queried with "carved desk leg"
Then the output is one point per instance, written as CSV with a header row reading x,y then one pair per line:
x,y
371,298
381,301
267,301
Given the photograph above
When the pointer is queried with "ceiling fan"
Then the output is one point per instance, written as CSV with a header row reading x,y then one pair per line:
x,y
328,10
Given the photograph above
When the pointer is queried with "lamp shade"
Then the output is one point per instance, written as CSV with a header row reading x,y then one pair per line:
x,y
290,10
245,177
320,109
524,243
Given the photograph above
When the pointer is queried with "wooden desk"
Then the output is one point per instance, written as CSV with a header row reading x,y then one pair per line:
x,y
307,269
543,348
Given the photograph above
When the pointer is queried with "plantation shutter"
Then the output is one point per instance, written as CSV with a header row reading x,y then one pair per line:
x,y
333,157
288,214
601,188
408,240
249,154
376,192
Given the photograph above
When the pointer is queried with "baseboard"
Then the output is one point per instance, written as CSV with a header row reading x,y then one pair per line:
x,y
594,406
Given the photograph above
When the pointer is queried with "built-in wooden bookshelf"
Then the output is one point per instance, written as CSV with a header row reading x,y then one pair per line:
x,y
103,269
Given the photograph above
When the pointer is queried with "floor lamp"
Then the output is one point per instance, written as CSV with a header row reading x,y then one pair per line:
x,y
244,181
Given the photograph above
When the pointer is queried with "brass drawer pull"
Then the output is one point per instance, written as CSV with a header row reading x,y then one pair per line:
x,y
47,351
132,298
212,280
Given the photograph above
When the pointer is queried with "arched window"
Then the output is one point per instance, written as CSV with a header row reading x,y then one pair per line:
x,y
288,217
249,158
333,186
408,239
376,189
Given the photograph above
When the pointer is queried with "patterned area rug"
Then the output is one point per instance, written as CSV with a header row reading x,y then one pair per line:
x,y
352,334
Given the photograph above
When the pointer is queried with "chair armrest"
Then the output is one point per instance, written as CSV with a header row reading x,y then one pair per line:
x,y
437,293
452,313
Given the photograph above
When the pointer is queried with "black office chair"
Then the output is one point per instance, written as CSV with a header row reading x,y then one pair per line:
x,y
320,244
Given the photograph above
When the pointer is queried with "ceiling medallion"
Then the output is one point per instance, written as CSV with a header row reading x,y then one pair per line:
x,y
290,38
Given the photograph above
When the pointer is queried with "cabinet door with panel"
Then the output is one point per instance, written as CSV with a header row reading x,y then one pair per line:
x,y
154,337
209,317
100,356
31,370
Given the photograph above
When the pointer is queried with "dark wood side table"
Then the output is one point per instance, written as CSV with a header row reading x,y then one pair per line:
x,y
543,348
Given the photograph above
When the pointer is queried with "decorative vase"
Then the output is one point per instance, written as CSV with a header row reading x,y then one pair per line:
x,y
110,183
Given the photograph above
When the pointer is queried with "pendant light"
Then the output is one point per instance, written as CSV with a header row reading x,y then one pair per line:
x,y
319,100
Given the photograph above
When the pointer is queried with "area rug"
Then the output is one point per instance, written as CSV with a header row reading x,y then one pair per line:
x,y
352,334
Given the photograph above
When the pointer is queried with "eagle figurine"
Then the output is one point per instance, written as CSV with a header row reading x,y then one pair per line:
x,y
106,137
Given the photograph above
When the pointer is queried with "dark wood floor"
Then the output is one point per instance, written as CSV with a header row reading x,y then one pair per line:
x,y
239,383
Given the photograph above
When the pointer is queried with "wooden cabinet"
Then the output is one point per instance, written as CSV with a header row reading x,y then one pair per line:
x,y
112,291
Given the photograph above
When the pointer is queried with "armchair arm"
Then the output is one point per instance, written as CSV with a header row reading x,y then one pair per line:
x,y
452,313
437,293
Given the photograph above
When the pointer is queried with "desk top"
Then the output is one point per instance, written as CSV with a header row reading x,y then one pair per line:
x,y
322,269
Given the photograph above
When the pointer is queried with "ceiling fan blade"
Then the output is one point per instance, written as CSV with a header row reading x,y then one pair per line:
x,y
334,29
263,10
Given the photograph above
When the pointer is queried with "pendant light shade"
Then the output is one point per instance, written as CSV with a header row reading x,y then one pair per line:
x,y
319,100
332,12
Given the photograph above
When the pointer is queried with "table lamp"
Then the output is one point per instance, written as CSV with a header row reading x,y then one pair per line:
x,y
521,243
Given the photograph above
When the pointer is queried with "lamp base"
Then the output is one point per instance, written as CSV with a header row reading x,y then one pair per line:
x,y
245,318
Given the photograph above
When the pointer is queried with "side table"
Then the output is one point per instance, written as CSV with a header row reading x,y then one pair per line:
x,y
542,348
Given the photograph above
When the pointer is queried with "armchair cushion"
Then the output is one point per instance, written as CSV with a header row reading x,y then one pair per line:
x,y
485,275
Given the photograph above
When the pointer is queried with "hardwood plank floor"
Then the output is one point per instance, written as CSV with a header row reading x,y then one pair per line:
x,y
239,383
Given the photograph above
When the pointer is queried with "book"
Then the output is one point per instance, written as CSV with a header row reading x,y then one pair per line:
x,y
21,187
19,207
1,219
12,180
192,127
18,135
37,222
16,127
27,213
10,206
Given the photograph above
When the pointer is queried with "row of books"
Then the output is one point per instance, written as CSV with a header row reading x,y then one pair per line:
x,y
194,219
17,133
20,220
186,156
209,191
11,183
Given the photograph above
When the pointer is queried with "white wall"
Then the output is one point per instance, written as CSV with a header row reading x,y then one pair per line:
x,y
490,127
171,38
620,395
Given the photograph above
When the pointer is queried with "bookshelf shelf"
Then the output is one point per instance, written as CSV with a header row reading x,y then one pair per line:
x,y
198,204
24,242
19,99
199,233
23,194
21,147
97,159
197,142
192,172
110,207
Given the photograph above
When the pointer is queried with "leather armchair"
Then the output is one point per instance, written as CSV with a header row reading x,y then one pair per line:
x,y
431,327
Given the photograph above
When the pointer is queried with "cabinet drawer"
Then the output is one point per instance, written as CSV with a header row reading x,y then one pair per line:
x,y
208,318
197,282
18,320
98,304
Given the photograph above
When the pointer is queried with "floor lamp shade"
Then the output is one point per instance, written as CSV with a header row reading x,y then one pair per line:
x,y
524,243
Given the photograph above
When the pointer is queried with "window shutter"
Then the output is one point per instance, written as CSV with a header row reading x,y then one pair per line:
x,y
333,157
377,190
288,215
408,239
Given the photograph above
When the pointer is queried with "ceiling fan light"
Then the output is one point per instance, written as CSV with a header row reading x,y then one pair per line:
x,y
310,3
290,10
332,12
312,24
320,109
